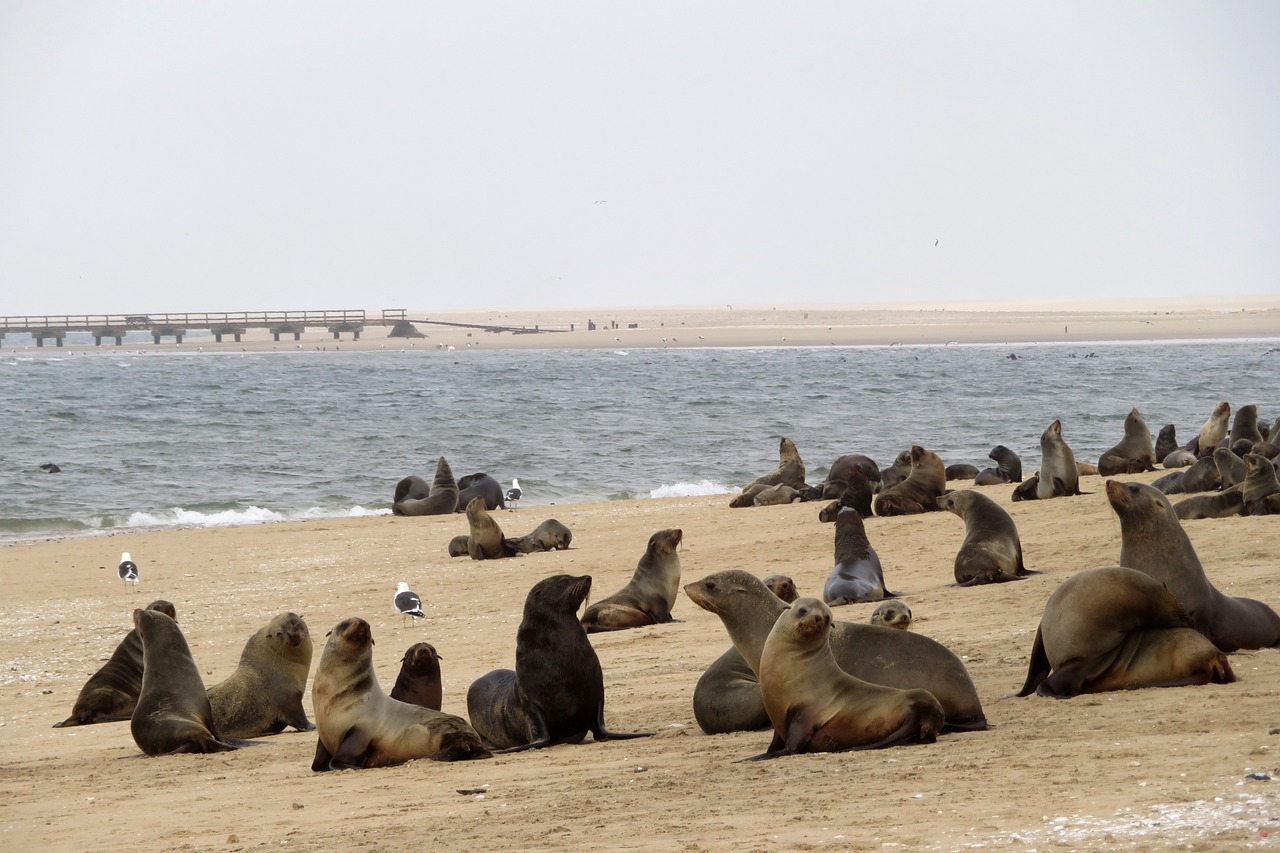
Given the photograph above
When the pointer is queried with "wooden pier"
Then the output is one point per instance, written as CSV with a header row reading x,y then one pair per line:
x,y
56,327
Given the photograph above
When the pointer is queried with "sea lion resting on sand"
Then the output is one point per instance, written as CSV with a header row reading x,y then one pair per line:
x,y
857,494
892,614
1008,468
1260,487
790,470
1134,453
919,492
550,535
648,597
480,486
1166,442
442,500
264,694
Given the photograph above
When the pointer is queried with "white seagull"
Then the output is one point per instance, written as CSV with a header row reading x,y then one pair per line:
x,y
128,570
407,603
514,493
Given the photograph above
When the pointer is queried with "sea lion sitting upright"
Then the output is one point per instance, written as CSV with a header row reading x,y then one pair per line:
x,y
1059,476
264,694
857,494
648,597
443,499
844,466
1231,468
1260,486
360,726
111,693
1134,453
919,492
1008,468
991,551
1115,628
1202,476
484,539
418,682
556,692
897,472
892,614
1153,541
1213,431
815,706
783,587
1166,442
857,575
550,535
1245,425
480,486
790,470
173,713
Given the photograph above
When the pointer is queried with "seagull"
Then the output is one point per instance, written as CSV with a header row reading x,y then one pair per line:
x,y
407,603
514,493
128,570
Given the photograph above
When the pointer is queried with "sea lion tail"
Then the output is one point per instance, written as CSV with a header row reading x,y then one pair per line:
x,y
1037,669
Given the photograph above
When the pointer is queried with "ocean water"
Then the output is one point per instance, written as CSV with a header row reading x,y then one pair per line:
x,y
151,440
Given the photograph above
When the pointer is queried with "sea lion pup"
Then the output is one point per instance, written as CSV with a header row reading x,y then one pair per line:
x,y
556,692
443,499
815,706
1217,505
458,546
1260,483
1115,628
919,491
111,693
901,659
1134,454
173,713
857,575
1202,476
648,597
776,496
480,486
1084,469
961,471
897,472
1170,484
1028,489
892,614
1153,541
857,495
360,726
264,694
1213,431
1008,468
790,470
748,496
484,539
1180,458
783,587
418,682
1245,425
1231,468
550,535
1059,476
991,551
1166,442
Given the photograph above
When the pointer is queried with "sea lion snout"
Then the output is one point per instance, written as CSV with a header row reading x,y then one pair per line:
x,y
355,631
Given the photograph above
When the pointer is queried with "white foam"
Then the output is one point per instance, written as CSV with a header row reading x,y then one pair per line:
x,y
688,490
179,517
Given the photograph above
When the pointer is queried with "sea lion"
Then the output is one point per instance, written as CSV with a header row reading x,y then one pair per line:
x,y
897,472
991,551
1231,468
1202,476
1216,505
360,726
892,614
556,692
1084,469
961,471
1241,446
412,487
1028,489
480,486
1059,476
550,535
1180,458
748,496
1134,453
443,499
1153,541
844,466
790,470
776,496
648,597
1170,484
919,491
484,539
1213,431
111,693
857,575
458,546
815,706
418,682
1260,483
857,494
727,697
264,694
885,656
1008,468
1114,628
173,713
1166,442
783,587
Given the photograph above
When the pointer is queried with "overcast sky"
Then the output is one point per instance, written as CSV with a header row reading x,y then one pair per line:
x,y
227,156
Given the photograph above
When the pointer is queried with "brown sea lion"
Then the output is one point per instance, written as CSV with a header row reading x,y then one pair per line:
x,y
648,597
790,470
360,726
1216,505
1166,442
1202,476
111,693
897,472
1260,483
1213,431
173,713
1231,469
857,575
1180,458
776,496
748,496
1084,469
919,492
1008,468
783,587
1028,489
264,694
1153,541
484,539
1059,475
418,682
1115,628
550,535
892,614
815,706
885,656
1134,453
556,692
991,551
961,471
443,499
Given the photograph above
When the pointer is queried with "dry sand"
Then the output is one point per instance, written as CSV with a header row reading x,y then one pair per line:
x,y
1136,770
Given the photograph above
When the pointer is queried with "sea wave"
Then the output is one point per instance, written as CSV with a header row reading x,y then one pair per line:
x,y
179,517
689,490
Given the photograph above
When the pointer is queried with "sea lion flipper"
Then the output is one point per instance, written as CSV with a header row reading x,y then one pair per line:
x,y
599,732
321,762
296,716
351,752
1037,668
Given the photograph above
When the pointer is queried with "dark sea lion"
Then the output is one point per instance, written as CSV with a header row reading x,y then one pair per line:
x,y
783,587
919,492
550,535
1267,449
360,726
748,496
111,693
776,496
412,487
1216,505
961,471
480,486
1180,458
418,682
1153,541
991,551
1115,628
1059,475
1170,484
484,539
648,597
1008,468
1213,431
815,706
1202,476
892,614
857,575
556,692
885,656
458,546
1245,425
790,470
264,694
1230,467
1260,483
173,713
1242,446
857,495
1134,453
897,472
443,499
727,697
844,466
1166,442
1028,489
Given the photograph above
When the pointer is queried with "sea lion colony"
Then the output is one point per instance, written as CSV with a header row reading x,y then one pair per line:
x,y
1103,629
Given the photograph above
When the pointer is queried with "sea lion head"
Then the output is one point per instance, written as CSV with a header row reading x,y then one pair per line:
x,y
892,614
781,586
998,452
1134,501
1222,409
558,593
290,632
351,639
721,592
149,621
165,607
458,546
1255,460
422,659
476,509
469,479
1053,431
664,542
787,451
949,502
807,621
917,454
